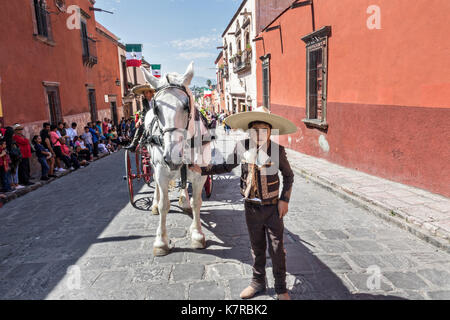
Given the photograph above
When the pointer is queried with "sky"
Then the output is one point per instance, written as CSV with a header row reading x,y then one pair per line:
x,y
173,32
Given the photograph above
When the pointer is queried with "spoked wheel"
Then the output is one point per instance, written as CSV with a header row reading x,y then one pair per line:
x,y
209,186
147,174
129,176
145,167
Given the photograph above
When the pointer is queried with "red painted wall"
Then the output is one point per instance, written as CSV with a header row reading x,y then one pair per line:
x,y
26,62
108,71
388,90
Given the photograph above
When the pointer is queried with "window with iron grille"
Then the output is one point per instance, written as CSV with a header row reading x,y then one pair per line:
x,y
266,80
42,19
88,45
92,104
84,39
54,104
316,77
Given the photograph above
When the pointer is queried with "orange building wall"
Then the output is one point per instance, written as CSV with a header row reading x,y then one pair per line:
x,y
26,62
388,90
108,71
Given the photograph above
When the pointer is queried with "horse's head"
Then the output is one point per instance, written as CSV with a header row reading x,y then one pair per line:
x,y
172,106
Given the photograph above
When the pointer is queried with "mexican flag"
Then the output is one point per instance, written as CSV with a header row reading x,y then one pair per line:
x,y
207,93
134,55
156,70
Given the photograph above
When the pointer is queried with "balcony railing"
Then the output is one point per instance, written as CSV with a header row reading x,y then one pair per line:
x,y
242,63
89,51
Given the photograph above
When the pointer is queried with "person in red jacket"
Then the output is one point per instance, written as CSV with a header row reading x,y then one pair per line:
x,y
25,148
2,130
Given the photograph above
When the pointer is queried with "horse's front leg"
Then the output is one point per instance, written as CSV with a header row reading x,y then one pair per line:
x,y
197,237
161,244
156,198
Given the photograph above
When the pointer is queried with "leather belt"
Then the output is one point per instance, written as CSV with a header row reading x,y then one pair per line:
x,y
263,202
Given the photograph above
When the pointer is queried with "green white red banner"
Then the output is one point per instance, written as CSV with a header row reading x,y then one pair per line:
x,y
134,55
156,70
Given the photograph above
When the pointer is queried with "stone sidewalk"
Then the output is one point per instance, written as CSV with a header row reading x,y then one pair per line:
x,y
425,214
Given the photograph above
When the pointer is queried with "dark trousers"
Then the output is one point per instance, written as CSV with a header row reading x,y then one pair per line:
x,y
62,157
95,149
5,180
84,155
264,225
44,166
74,161
24,171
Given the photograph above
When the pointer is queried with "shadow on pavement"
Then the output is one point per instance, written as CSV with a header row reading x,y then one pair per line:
x,y
309,278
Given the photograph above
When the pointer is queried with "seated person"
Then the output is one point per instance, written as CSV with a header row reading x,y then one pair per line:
x,y
69,155
102,147
112,147
81,149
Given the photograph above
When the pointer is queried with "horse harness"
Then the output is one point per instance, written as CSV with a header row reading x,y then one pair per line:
x,y
159,139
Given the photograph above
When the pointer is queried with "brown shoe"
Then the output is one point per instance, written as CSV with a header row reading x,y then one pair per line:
x,y
249,292
284,296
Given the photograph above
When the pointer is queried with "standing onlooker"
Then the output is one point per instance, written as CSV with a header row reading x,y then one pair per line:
x,y
15,157
105,126
47,144
4,167
95,137
98,127
56,142
87,137
25,149
62,131
72,132
45,158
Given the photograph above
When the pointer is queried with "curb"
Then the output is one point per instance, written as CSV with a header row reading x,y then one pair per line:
x,y
394,217
8,197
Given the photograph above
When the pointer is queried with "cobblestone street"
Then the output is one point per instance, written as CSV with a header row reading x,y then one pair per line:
x,y
84,220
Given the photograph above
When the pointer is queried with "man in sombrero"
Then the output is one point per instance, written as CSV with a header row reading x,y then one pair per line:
x,y
148,93
260,160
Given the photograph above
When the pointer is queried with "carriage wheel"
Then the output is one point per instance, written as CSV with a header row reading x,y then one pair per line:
x,y
137,154
147,174
129,176
209,186
146,168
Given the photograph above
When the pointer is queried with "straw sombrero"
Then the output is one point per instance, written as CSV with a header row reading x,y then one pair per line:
x,y
140,89
17,127
243,119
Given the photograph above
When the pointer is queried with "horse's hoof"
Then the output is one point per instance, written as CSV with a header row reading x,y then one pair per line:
x,y
161,252
155,211
187,210
198,244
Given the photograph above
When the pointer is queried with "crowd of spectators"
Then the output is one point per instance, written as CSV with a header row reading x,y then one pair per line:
x,y
58,148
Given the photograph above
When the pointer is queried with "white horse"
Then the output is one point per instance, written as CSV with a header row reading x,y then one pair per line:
x,y
170,123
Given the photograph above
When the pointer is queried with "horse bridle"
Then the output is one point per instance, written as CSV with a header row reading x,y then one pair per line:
x,y
153,105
